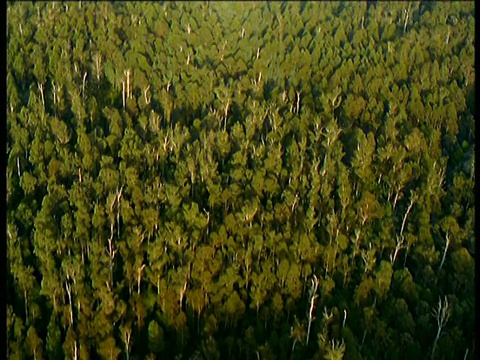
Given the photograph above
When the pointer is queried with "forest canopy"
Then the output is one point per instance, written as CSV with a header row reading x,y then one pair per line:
x,y
241,180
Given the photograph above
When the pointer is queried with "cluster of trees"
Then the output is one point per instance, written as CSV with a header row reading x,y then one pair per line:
x,y
240,180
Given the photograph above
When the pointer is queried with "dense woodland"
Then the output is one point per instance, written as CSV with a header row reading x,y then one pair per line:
x,y
240,180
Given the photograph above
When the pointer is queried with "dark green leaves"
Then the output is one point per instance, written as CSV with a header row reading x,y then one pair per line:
x,y
156,342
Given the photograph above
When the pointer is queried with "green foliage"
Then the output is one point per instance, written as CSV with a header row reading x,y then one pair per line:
x,y
156,342
383,277
463,266
181,175
34,343
108,349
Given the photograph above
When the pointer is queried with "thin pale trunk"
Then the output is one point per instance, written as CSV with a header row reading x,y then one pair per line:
x,y
69,292
435,342
83,85
41,88
308,330
145,92
442,314
75,351
118,221
98,66
126,339
313,297
139,277
54,94
26,303
344,318
226,115
405,216
123,93
407,15
182,293
397,249
128,83
396,199
299,93
129,90
444,254
363,339
111,252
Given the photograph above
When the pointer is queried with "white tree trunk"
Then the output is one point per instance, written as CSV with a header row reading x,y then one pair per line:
x,y
444,253
69,292
83,85
139,277
41,88
442,314
299,93
407,15
123,93
406,214
313,298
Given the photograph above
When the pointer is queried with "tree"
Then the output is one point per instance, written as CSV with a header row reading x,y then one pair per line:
x,y
451,229
297,333
258,294
126,333
156,342
335,350
210,349
463,266
405,287
108,350
34,343
383,279
53,343
363,156
368,208
234,307
312,300
293,283
441,314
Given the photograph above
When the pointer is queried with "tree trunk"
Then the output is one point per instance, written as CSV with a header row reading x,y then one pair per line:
x,y
444,254
123,93
139,277
83,85
26,303
41,88
407,15
313,298
397,249
406,214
